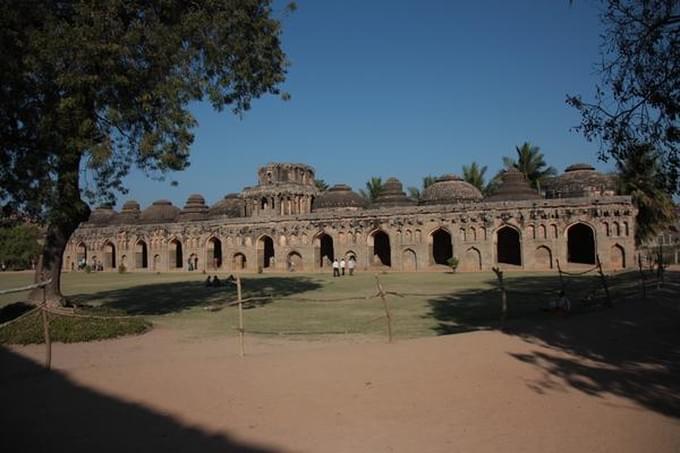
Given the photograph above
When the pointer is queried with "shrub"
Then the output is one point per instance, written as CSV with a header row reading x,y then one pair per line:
x,y
87,268
453,263
122,269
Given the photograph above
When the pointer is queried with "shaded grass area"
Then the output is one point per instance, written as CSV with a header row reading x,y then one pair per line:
x,y
66,329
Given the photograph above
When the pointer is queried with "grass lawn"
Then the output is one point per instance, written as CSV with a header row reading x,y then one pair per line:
x,y
318,304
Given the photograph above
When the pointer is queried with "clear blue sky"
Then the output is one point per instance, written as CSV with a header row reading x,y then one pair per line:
x,y
405,88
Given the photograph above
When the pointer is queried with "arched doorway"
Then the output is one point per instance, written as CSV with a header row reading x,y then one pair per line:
x,y
141,255
324,252
81,255
580,244
442,248
110,256
239,262
381,253
156,262
214,253
618,257
294,262
544,258
175,256
193,262
472,260
265,252
508,246
409,261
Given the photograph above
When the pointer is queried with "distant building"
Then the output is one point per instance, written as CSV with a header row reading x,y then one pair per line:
x,y
284,223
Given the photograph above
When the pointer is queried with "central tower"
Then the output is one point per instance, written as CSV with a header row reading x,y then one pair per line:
x,y
282,189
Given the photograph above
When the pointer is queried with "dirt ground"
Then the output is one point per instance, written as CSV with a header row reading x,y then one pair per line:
x,y
607,381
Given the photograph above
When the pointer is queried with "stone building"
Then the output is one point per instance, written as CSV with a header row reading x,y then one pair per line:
x,y
285,224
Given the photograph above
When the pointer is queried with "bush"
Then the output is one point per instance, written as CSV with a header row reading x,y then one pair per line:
x,y
87,269
122,269
453,263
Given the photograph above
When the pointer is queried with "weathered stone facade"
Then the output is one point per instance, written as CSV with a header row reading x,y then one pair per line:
x,y
285,224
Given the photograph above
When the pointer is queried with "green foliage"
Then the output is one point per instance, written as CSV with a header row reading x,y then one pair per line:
x,y
122,269
87,269
474,174
637,99
417,193
453,263
19,245
321,185
374,188
641,177
65,329
531,162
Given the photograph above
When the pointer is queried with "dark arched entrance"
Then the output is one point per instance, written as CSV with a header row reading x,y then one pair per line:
x,y
324,249
266,252
382,253
442,249
141,256
110,256
508,248
580,244
214,253
176,257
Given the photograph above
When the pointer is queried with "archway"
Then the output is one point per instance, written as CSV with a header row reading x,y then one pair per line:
x,y
81,255
544,258
193,262
442,248
239,261
214,253
175,256
294,262
472,261
156,262
141,255
618,257
265,252
109,256
409,261
580,244
381,251
508,247
324,252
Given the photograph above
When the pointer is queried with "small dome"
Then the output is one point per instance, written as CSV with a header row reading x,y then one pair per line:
x,y
514,187
340,196
392,195
580,180
130,207
450,189
102,215
194,209
129,214
231,206
160,211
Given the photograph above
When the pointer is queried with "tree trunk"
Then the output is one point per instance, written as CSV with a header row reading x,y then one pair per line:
x,y
64,217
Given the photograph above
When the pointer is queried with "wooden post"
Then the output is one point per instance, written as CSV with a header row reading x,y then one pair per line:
x,y
659,267
241,330
603,278
559,271
504,296
46,330
642,277
388,316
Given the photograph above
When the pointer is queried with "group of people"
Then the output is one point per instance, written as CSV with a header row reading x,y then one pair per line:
x,y
215,282
340,266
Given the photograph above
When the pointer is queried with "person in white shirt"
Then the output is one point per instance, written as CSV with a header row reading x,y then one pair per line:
x,y
342,266
351,264
336,268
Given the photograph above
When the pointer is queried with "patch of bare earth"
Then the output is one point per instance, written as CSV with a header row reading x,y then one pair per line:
x,y
479,392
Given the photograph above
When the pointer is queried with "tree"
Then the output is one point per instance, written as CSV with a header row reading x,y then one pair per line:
x,y
321,185
530,161
638,176
474,174
374,188
638,97
417,193
19,245
102,86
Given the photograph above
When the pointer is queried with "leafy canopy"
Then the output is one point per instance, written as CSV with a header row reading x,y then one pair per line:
x,y
474,174
374,187
531,163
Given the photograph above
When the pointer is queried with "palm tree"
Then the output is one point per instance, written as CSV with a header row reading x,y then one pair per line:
x,y
530,161
640,177
474,174
374,188
417,193
321,185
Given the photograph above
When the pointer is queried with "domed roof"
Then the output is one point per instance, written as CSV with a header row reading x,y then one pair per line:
x,y
580,180
337,197
160,211
392,195
514,187
194,209
102,215
450,189
129,214
231,206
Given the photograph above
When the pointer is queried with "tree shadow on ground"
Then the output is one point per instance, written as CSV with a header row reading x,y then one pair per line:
x,y
631,350
164,298
46,411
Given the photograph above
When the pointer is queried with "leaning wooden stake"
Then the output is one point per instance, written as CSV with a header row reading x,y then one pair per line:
x,y
642,278
241,330
603,278
504,296
559,271
388,316
46,331
659,267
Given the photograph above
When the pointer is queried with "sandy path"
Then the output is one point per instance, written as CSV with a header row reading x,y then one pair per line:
x,y
460,393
